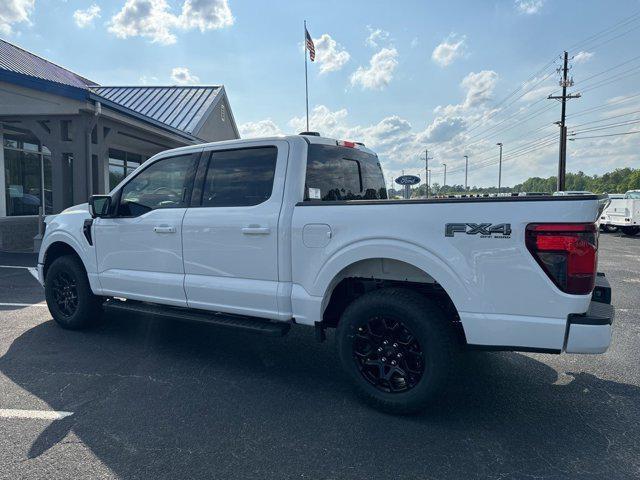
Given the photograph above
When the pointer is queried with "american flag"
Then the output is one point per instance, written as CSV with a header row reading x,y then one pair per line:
x,y
309,44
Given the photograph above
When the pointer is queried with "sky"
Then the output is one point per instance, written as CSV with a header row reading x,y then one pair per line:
x,y
453,77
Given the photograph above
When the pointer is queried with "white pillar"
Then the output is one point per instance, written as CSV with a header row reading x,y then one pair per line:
x,y
3,196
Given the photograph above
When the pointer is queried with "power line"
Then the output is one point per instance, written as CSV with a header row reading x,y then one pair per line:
x,y
603,33
608,135
607,118
606,127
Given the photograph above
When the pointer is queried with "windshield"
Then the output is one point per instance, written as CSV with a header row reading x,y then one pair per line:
x,y
634,194
340,173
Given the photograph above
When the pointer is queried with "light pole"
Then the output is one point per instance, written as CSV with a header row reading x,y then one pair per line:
x,y
500,168
445,175
466,169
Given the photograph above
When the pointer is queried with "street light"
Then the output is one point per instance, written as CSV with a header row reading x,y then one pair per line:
x,y
466,169
445,174
500,168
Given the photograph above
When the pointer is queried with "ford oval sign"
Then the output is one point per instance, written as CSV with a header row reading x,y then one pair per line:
x,y
407,180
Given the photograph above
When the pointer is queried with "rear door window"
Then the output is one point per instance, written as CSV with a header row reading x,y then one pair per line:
x,y
340,173
239,178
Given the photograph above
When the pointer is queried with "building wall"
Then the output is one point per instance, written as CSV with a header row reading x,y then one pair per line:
x,y
218,127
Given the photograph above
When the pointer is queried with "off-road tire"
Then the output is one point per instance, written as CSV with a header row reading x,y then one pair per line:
x,y
87,306
631,231
428,324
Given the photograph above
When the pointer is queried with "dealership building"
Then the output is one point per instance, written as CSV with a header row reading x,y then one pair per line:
x,y
64,137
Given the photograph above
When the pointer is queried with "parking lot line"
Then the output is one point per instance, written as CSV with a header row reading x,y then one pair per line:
x,y
33,414
42,304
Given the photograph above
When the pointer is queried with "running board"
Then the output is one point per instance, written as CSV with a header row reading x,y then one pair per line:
x,y
250,324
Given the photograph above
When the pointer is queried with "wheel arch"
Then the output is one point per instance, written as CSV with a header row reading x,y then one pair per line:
x,y
56,250
403,261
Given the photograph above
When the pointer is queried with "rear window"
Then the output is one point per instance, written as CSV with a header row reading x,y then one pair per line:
x,y
340,173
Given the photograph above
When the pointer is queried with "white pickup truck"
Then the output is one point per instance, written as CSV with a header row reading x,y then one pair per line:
x,y
296,230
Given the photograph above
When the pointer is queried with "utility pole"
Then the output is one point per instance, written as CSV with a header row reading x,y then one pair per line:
x,y
466,170
500,168
564,83
426,169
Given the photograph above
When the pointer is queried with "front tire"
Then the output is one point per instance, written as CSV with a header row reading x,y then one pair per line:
x,y
71,302
631,231
397,347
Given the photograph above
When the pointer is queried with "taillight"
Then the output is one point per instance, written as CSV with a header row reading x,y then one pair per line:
x,y
346,143
567,252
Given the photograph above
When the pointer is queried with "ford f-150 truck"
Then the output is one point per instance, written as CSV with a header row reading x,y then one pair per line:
x,y
270,233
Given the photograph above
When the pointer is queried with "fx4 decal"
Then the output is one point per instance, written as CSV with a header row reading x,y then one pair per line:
x,y
485,230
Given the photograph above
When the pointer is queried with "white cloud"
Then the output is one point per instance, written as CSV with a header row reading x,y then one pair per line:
x,y
182,76
206,14
479,87
379,73
449,49
153,19
262,128
84,18
12,12
443,129
583,57
538,88
145,18
376,37
529,7
148,80
330,55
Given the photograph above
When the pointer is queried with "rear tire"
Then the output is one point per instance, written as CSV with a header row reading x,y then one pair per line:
x,y
631,231
609,228
371,337
71,302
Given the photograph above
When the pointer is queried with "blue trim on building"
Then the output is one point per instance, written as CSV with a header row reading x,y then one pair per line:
x,y
35,83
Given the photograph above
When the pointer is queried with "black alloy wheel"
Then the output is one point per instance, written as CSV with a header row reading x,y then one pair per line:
x,y
65,293
388,354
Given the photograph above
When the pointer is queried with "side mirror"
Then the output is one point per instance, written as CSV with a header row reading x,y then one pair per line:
x,y
99,205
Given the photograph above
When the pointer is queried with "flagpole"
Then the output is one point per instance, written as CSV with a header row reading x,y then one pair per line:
x,y
306,81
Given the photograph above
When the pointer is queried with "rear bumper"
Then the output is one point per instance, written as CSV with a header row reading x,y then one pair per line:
x,y
590,332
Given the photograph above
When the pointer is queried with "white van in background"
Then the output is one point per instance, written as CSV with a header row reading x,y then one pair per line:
x,y
622,213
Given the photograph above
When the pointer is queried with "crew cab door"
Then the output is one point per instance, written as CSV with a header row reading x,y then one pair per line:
x,y
139,249
231,231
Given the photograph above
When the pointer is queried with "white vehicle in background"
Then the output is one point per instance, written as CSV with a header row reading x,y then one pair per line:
x,y
572,192
603,220
622,213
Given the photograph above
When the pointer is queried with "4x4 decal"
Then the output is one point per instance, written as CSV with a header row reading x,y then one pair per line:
x,y
485,230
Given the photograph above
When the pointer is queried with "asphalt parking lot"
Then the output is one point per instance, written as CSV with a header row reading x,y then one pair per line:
x,y
139,397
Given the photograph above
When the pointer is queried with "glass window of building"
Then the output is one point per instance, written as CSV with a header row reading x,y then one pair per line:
x,y
27,170
121,165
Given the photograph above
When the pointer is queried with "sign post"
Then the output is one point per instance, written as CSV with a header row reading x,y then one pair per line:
x,y
406,181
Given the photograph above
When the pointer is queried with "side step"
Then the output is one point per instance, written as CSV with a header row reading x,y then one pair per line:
x,y
250,324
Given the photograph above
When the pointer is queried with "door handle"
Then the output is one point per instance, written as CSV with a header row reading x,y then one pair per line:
x,y
256,230
164,229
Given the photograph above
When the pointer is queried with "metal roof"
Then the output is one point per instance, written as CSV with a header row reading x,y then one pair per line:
x,y
181,108
17,60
